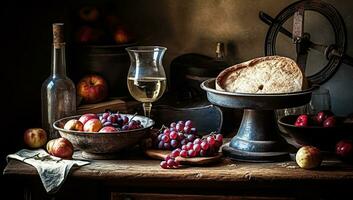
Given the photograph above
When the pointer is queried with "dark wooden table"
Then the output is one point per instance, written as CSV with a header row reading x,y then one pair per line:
x,y
142,178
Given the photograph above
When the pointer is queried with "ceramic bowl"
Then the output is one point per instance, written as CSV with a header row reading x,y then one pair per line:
x,y
104,143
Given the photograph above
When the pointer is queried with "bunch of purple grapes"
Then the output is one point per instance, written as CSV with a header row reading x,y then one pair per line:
x,y
120,122
200,147
177,135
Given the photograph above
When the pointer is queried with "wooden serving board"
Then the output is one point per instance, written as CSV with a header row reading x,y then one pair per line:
x,y
161,154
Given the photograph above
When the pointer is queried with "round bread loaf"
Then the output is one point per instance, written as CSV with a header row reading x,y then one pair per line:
x,y
270,74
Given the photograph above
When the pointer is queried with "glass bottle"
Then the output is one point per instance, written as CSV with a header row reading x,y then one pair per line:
x,y
58,93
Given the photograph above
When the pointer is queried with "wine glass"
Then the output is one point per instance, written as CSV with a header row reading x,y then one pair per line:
x,y
146,78
320,101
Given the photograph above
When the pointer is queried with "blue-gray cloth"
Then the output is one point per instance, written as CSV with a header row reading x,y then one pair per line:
x,y
52,170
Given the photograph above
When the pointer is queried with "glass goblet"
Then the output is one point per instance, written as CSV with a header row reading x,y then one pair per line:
x,y
146,78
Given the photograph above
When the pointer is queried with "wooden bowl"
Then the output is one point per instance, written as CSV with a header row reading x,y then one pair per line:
x,y
104,143
322,137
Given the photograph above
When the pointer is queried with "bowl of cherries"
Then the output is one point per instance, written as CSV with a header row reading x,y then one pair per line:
x,y
323,129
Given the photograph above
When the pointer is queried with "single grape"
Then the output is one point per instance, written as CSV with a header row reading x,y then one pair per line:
x,y
125,127
168,157
187,129
120,121
184,141
180,136
203,153
188,123
211,140
191,137
173,125
189,145
197,148
204,145
164,165
161,145
107,124
126,119
171,163
197,141
181,122
166,146
103,121
105,115
193,131
173,135
165,138
174,143
219,138
175,153
180,127
159,137
166,131
191,153
184,147
111,118
183,153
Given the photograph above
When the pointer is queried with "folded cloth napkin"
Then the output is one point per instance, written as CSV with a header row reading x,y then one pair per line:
x,y
52,170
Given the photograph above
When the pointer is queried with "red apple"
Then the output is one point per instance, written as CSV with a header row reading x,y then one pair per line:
x,y
107,129
87,34
344,150
89,13
84,118
60,147
302,121
73,124
329,122
92,125
121,36
92,88
35,137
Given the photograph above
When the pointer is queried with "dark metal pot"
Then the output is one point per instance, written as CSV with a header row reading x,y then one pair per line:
x,y
110,61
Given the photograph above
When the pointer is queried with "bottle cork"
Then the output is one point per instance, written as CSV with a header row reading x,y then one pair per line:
x,y
58,34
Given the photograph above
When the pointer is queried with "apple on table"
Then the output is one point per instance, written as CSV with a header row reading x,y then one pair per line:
x,y
35,137
60,147
92,88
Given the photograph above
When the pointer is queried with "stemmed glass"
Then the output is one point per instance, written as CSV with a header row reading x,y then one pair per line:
x,y
146,78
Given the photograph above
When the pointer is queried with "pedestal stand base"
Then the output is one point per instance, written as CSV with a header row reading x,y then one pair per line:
x,y
254,156
258,139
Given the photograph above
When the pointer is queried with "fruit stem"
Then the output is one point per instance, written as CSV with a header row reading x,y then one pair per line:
x,y
133,117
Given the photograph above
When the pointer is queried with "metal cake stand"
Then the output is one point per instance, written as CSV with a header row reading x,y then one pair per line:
x,y
258,138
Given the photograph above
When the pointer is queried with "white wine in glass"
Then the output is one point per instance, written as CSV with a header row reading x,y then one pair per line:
x,y
146,78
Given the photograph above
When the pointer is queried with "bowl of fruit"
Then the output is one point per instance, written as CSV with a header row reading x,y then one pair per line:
x,y
322,130
99,135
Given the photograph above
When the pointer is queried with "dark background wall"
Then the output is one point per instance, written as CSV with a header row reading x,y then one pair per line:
x,y
182,26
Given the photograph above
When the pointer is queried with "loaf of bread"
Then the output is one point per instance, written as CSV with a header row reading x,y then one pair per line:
x,y
270,74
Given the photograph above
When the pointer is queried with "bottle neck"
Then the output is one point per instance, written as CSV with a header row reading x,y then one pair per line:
x,y
58,60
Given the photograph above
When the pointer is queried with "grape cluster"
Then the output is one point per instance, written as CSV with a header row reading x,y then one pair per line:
x,y
121,123
177,135
200,147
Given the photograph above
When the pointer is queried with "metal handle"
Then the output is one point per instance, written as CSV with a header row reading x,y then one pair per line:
x,y
324,49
